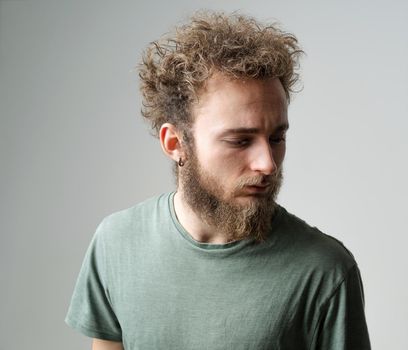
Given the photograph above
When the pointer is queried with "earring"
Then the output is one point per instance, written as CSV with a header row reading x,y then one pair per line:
x,y
180,162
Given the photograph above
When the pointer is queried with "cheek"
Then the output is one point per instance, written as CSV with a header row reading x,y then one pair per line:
x,y
230,160
222,163
215,156
209,153
230,168
278,153
281,155
224,166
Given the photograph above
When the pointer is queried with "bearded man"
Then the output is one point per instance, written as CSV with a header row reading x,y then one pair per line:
x,y
218,264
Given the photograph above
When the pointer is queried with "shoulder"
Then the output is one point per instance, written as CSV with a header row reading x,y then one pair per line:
x,y
314,248
127,221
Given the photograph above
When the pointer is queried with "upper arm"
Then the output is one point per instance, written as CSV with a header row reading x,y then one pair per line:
x,y
99,344
342,323
91,310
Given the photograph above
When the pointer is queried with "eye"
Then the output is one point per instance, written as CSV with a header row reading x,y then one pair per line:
x,y
277,140
239,142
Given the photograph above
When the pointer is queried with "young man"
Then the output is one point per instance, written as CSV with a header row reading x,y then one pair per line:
x,y
218,264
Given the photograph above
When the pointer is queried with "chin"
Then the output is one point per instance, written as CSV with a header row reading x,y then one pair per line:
x,y
248,199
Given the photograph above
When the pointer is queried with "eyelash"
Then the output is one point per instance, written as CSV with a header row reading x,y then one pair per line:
x,y
239,143
278,140
245,142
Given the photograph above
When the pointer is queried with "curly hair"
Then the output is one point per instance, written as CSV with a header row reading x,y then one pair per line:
x,y
175,68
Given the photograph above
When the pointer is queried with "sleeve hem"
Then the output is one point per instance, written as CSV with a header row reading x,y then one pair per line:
x,y
91,332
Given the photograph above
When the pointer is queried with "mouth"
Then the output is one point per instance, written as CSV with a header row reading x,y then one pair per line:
x,y
257,189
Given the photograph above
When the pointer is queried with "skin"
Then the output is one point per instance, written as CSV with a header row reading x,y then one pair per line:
x,y
99,344
239,131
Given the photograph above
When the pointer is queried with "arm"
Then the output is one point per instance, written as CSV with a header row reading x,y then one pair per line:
x,y
342,324
91,311
99,344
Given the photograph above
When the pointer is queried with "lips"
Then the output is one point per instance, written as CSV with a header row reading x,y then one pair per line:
x,y
257,188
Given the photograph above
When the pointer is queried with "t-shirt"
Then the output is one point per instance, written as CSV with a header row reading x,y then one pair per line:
x,y
147,283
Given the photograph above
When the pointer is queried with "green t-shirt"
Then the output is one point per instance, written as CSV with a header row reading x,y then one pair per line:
x,y
146,282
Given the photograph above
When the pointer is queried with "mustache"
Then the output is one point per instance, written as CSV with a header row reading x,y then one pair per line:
x,y
261,180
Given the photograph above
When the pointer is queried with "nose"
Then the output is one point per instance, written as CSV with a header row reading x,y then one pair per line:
x,y
262,159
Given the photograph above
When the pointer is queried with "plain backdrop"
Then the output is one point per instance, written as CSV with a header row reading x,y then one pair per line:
x,y
74,148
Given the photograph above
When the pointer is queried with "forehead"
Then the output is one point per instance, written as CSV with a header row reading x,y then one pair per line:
x,y
240,103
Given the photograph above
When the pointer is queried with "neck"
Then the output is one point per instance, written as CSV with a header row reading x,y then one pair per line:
x,y
193,224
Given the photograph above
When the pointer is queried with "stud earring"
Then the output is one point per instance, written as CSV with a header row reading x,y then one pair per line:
x,y
180,162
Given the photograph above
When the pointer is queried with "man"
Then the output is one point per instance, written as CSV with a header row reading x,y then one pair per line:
x,y
218,264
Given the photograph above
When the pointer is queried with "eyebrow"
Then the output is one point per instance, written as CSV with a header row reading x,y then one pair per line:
x,y
279,128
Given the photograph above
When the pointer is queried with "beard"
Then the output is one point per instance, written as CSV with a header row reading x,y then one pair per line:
x,y
206,196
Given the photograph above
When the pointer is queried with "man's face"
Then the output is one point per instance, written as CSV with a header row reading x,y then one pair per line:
x,y
233,168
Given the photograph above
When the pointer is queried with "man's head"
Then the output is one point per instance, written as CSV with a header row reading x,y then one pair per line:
x,y
216,95
176,68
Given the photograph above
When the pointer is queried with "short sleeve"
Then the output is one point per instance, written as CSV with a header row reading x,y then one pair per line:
x,y
342,324
90,310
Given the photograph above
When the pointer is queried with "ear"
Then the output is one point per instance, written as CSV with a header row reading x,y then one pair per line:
x,y
171,141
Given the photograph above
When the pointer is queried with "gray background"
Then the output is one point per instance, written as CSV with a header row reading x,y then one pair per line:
x,y
73,147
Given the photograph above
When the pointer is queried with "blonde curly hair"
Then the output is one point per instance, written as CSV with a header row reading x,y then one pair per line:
x,y
175,68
